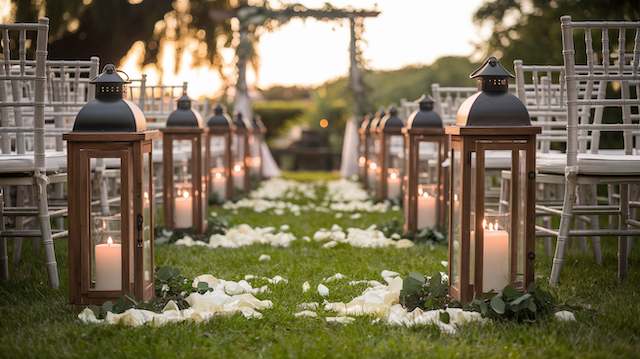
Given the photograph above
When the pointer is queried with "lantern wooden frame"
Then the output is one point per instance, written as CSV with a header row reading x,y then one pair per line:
x,y
241,134
225,133
196,136
474,139
130,149
384,136
412,139
363,151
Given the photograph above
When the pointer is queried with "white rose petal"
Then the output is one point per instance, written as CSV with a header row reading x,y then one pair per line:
x,y
264,258
305,287
323,290
565,316
306,313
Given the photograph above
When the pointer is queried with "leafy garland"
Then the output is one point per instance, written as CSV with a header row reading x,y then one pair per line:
x,y
426,235
215,225
430,293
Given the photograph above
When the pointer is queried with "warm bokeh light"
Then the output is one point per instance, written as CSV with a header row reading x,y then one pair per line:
x,y
324,123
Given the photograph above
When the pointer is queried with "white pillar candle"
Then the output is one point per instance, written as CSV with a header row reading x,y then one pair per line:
x,y
393,183
219,183
108,266
371,174
238,176
495,257
426,209
183,213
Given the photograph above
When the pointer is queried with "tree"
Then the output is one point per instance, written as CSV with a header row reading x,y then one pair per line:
x,y
530,29
108,28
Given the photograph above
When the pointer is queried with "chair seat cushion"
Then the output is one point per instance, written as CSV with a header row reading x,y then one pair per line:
x,y
13,163
602,164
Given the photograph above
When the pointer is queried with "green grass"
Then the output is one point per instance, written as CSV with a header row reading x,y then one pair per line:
x,y
37,322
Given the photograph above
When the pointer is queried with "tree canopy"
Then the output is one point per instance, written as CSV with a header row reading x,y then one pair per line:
x,y
530,29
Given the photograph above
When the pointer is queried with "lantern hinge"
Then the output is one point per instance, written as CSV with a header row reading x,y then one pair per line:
x,y
532,175
139,226
531,256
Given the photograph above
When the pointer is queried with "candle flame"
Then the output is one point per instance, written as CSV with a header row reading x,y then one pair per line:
x,y
373,165
484,224
146,195
362,160
237,168
393,175
218,175
109,241
185,194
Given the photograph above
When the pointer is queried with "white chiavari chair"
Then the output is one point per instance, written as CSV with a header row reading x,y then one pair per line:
x,y
21,75
587,163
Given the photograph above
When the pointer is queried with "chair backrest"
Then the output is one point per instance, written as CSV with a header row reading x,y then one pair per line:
x,y
447,101
156,101
407,108
17,80
621,73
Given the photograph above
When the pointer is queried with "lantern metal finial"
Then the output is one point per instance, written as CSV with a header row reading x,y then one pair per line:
x,y
493,105
239,122
109,111
219,118
391,122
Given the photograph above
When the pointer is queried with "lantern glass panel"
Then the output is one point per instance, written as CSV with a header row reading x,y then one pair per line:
x,y
217,166
456,236
495,218
372,165
427,184
520,242
254,153
395,166
106,238
362,159
183,188
203,177
146,218
238,170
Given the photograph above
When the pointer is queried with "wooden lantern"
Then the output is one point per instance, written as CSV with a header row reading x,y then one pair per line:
x,y
425,196
491,244
240,151
373,151
391,156
110,239
256,138
363,133
185,182
218,156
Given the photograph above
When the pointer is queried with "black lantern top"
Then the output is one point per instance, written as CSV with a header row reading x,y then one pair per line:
x,y
364,122
493,105
219,118
184,115
109,111
239,122
391,122
258,125
425,117
375,121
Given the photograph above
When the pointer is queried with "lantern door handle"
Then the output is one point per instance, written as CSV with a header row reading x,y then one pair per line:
x,y
139,225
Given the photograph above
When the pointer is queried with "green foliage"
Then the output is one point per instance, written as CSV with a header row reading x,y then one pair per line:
x,y
516,305
426,293
276,113
426,235
520,32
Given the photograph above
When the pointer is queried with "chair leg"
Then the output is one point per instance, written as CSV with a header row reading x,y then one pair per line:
x,y
565,224
45,229
4,259
592,199
21,200
623,249
546,220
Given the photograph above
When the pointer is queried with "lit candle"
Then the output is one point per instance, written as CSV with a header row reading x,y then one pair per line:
x,y
362,161
393,183
371,174
219,183
495,260
238,176
108,266
183,214
426,209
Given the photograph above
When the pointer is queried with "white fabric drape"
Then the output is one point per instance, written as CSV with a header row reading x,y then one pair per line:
x,y
349,163
270,167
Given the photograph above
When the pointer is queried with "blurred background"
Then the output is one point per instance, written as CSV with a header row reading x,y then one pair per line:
x,y
298,67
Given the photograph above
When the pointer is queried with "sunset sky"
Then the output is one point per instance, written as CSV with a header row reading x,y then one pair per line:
x,y
310,52
406,32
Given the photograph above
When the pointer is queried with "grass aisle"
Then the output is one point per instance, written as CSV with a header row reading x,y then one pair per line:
x,y
37,322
